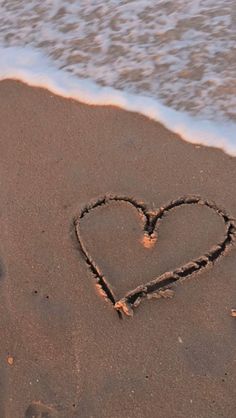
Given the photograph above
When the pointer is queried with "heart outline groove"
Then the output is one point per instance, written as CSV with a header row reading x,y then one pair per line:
x,y
159,286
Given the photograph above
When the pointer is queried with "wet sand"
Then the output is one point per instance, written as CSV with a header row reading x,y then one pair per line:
x,y
64,350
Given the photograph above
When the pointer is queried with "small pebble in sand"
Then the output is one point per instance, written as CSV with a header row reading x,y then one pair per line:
x,y
233,312
10,360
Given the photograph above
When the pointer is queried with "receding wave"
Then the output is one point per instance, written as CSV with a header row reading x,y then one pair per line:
x,y
172,61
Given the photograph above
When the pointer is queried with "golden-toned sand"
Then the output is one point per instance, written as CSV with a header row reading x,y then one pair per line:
x,y
64,350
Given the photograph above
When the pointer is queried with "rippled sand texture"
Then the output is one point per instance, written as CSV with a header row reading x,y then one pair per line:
x,y
183,53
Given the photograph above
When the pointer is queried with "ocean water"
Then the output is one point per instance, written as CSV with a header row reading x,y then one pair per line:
x,y
174,61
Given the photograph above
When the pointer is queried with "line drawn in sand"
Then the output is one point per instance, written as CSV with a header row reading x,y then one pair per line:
x,y
161,286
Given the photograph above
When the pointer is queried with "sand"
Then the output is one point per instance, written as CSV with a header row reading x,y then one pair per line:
x,y
64,350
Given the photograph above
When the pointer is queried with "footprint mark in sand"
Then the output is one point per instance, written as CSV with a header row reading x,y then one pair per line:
x,y
159,286
39,410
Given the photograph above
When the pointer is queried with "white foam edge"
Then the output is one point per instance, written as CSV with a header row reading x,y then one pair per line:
x,y
35,69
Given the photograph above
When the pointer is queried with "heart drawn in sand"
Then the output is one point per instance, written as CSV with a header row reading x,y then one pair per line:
x,y
158,286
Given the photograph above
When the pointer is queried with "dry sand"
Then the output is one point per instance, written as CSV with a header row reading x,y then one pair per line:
x,y
64,350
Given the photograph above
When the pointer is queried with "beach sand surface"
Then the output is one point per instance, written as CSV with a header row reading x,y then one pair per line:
x,y
64,351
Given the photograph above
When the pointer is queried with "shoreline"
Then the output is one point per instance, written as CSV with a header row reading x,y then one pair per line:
x,y
36,70
70,355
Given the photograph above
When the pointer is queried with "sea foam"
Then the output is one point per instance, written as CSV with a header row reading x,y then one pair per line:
x,y
181,53
173,61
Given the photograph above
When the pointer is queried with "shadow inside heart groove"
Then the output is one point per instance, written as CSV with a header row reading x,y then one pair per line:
x,y
158,286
